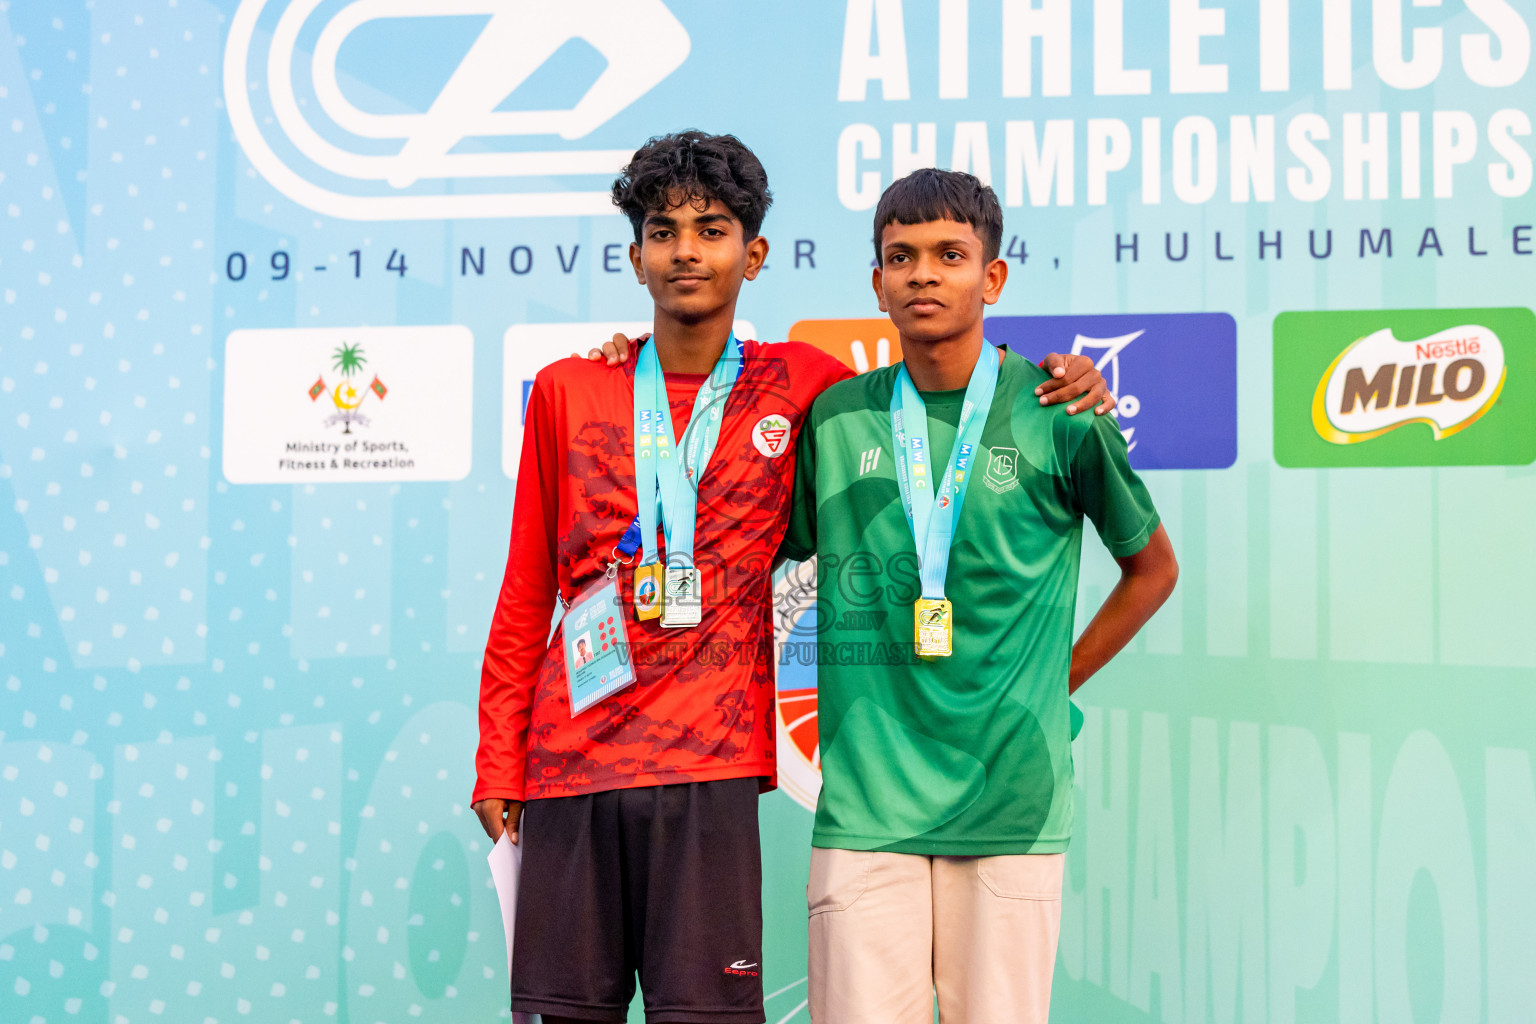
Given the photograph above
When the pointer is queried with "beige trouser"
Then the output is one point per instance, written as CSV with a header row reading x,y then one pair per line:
x,y
888,929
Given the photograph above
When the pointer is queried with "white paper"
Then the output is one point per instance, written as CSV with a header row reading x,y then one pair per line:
x,y
506,861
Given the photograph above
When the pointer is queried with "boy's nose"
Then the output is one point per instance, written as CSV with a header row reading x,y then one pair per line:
x,y
686,251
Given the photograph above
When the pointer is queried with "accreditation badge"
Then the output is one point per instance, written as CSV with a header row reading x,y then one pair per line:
x,y
684,601
933,627
596,646
648,583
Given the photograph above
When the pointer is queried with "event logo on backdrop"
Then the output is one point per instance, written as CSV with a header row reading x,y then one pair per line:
x,y
327,146
309,404
1173,415
1449,387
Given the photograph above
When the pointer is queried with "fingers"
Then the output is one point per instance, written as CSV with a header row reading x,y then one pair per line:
x,y
616,349
1049,386
514,817
1107,402
1098,396
613,352
1067,390
1058,366
491,813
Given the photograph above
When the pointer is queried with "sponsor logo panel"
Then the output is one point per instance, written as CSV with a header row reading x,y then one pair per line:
x,y
353,404
1442,387
862,345
1149,361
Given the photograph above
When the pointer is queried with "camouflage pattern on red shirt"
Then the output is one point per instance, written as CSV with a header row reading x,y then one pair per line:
x,y
702,707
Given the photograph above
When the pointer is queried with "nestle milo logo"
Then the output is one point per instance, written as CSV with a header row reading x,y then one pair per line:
x,y
1446,381
1405,387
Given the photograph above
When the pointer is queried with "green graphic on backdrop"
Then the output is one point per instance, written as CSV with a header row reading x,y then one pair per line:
x,y
1428,387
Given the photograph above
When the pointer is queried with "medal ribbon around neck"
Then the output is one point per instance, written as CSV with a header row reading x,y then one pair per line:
x,y
931,517
660,471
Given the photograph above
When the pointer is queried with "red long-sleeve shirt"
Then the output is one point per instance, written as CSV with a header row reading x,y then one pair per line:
x,y
702,706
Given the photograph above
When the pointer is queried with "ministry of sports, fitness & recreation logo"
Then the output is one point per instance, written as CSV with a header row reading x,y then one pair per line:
x,y
349,394
1405,388
315,145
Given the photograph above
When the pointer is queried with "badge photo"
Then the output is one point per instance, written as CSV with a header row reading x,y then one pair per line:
x,y
597,655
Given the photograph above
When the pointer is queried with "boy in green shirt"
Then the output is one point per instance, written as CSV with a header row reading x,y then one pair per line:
x,y
946,799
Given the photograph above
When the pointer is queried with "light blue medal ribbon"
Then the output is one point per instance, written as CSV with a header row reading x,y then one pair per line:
x,y
660,469
931,516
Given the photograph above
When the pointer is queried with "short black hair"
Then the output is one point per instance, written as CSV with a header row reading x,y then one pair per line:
x,y
931,194
700,167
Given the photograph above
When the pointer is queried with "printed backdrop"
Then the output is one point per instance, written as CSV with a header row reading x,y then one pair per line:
x,y
276,275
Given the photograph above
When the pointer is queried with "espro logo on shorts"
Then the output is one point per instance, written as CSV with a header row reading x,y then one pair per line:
x,y
1445,387
372,136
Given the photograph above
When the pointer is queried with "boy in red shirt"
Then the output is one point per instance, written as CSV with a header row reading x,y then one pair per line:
x,y
642,849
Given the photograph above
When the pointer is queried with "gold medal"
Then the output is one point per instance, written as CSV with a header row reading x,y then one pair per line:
x,y
648,584
933,627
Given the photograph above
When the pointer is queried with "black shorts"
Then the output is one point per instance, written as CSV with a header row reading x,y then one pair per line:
x,y
665,881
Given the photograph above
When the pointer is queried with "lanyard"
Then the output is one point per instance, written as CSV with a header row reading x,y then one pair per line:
x,y
659,470
932,518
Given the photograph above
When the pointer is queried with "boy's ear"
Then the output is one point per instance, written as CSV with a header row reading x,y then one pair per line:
x,y
634,260
757,255
877,283
996,277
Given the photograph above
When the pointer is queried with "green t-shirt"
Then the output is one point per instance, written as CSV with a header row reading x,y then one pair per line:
x,y
970,754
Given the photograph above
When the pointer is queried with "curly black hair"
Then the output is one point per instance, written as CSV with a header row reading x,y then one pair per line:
x,y
931,194
694,167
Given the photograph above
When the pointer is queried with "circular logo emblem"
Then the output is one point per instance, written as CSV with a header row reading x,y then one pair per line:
x,y
771,435
645,594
